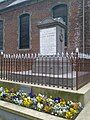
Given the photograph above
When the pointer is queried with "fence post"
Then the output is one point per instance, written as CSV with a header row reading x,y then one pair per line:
x,y
1,63
77,70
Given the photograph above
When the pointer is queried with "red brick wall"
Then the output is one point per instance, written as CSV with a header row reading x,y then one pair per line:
x,y
74,28
75,38
87,26
38,12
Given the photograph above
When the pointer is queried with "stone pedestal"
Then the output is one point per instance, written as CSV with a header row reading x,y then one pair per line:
x,y
52,37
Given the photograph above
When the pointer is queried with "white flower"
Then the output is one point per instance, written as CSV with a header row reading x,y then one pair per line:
x,y
60,112
80,105
64,110
40,95
20,102
34,100
52,113
17,93
40,106
51,103
28,97
16,99
56,114
1,89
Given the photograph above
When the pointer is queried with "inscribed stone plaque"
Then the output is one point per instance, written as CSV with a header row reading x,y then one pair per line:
x,y
48,41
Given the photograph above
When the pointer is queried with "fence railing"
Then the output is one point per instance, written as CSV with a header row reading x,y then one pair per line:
x,y
64,71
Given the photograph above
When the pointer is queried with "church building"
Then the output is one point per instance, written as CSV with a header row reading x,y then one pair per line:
x,y
44,26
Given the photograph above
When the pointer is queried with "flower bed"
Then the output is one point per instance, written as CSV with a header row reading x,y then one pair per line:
x,y
55,106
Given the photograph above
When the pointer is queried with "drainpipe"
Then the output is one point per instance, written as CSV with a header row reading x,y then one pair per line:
x,y
83,28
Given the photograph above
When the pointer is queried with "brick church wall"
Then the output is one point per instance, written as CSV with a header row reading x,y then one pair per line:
x,y
38,12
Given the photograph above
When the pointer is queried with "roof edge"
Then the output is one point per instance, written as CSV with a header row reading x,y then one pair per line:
x,y
24,3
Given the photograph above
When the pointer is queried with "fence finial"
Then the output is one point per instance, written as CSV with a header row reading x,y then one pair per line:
x,y
19,55
39,54
25,56
28,55
62,54
77,50
35,55
67,54
1,53
58,54
72,54
32,55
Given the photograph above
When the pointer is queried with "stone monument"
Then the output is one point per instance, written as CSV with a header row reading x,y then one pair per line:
x,y
52,36
52,41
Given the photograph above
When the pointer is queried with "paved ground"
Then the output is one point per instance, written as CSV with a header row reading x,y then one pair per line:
x,y
85,113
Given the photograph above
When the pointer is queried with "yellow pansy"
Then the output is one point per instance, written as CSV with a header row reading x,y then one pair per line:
x,y
68,115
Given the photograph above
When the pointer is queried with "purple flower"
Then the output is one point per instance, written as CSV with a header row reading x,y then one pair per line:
x,y
4,95
57,99
31,94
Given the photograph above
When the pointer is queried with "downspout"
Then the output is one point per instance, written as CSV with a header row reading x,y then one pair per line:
x,y
83,28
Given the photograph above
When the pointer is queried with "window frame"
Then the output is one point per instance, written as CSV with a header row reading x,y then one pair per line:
x,y
29,26
60,5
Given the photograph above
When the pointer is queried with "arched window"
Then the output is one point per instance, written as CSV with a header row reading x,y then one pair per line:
x,y
1,34
61,11
24,29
